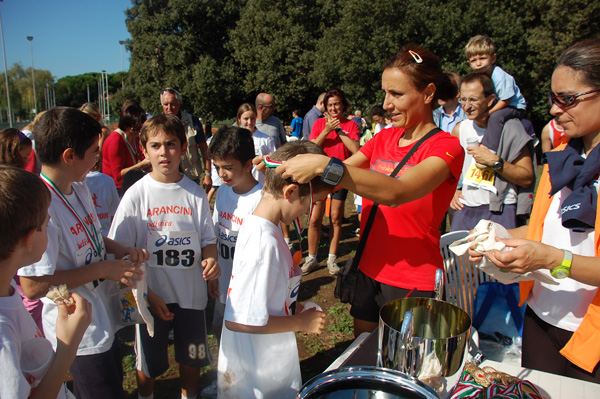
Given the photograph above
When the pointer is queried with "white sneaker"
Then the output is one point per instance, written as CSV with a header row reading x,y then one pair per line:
x,y
308,266
333,266
210,391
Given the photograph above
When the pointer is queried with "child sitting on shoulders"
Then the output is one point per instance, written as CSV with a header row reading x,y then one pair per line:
x,y
258,355
168,214
481,55
232,151
24,202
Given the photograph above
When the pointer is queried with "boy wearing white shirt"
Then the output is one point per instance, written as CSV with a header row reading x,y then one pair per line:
x,y
24,202
67,147
232,151
169,214
258,355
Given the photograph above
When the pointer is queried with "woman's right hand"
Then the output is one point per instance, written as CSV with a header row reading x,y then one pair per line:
x,y
331,123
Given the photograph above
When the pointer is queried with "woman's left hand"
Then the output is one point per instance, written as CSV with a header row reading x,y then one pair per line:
x,y
304,167
526,256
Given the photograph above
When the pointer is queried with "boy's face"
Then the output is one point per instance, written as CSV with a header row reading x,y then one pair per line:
x,y
165,151
483,63
231,171
83,166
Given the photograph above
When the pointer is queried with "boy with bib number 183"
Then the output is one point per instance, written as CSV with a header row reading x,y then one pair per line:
x,y
169,215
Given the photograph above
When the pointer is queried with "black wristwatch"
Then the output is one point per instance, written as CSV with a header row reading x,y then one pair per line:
x,y
333,172
499,164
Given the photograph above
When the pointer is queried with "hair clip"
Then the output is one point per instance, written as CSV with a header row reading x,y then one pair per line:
x,y
416,56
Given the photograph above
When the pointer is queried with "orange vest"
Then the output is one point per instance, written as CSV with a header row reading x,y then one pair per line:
x,y
583,349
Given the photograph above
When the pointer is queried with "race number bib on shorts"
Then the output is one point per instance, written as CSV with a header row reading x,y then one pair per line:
x,y
480,178
174,249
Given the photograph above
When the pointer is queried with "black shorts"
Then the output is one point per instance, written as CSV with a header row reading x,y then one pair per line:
x,y
370,295
340,195
99,376
191,344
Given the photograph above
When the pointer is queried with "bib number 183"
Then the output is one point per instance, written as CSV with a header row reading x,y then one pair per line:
x,y
172,257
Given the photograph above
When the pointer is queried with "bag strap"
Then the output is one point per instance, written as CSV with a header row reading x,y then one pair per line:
x,y
365,234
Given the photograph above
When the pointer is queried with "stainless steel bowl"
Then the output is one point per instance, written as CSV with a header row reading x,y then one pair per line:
x,y
435,342
365,382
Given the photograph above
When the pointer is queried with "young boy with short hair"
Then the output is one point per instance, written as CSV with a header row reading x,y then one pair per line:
x,y
24,202
258,355
67,146
481,55
168,214
232,152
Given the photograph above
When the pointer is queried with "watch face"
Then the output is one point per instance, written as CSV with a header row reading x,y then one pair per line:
x,y
560,272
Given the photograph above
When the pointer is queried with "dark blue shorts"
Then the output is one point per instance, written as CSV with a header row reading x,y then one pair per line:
x,y
191,344
468,217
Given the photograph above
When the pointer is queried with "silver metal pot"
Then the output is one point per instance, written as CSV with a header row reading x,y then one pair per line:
x,y
422,337
365,382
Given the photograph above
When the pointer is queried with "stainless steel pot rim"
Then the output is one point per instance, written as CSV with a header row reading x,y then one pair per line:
x,y
380,374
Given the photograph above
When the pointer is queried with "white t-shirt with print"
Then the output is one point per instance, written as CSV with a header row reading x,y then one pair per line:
x,y
263,145
16,328
230,211
105,197
173,222
259,365
70,248
563,305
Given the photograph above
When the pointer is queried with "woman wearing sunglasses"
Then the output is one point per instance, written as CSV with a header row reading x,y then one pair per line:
x,y
561,333
402,253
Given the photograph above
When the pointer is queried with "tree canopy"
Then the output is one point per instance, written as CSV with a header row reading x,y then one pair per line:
x,y
219,53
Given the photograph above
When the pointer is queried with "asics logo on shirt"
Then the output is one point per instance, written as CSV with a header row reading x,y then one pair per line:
x,y
173,241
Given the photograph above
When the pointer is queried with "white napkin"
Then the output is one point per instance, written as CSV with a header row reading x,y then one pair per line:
x,y
484,239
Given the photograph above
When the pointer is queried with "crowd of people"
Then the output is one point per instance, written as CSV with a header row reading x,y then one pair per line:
x,y
99,211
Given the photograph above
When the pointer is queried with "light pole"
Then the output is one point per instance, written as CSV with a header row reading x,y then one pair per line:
x,y
30,38
9,111
122,42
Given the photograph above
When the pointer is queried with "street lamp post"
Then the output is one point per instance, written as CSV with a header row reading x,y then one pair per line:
x,y
30,38
9,111
122,42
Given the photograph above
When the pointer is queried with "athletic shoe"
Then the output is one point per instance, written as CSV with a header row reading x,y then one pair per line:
x,y
333,266
357,232
210,391
309,265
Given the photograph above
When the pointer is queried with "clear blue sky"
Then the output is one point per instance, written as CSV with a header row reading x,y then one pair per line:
x,y
70,37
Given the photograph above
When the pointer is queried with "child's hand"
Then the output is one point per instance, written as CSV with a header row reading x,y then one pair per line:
x,y
213,288
312,320
137,256
159,307
212,271
121,270
70,329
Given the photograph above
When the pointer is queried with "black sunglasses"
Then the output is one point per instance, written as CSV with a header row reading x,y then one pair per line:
x,y
566,100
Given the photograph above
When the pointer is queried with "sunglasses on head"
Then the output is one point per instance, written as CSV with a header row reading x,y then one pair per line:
x,y
566,100
171,91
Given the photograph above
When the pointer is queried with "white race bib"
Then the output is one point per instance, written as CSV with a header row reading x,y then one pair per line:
x,y
174,249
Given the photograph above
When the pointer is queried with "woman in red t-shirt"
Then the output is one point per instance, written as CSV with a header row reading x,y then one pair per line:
x,y
121,151
338,137
402,252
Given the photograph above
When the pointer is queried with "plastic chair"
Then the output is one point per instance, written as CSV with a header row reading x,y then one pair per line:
x,y
462,277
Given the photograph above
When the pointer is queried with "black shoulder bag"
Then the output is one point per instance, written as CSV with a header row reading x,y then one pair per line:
x,y
346,279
